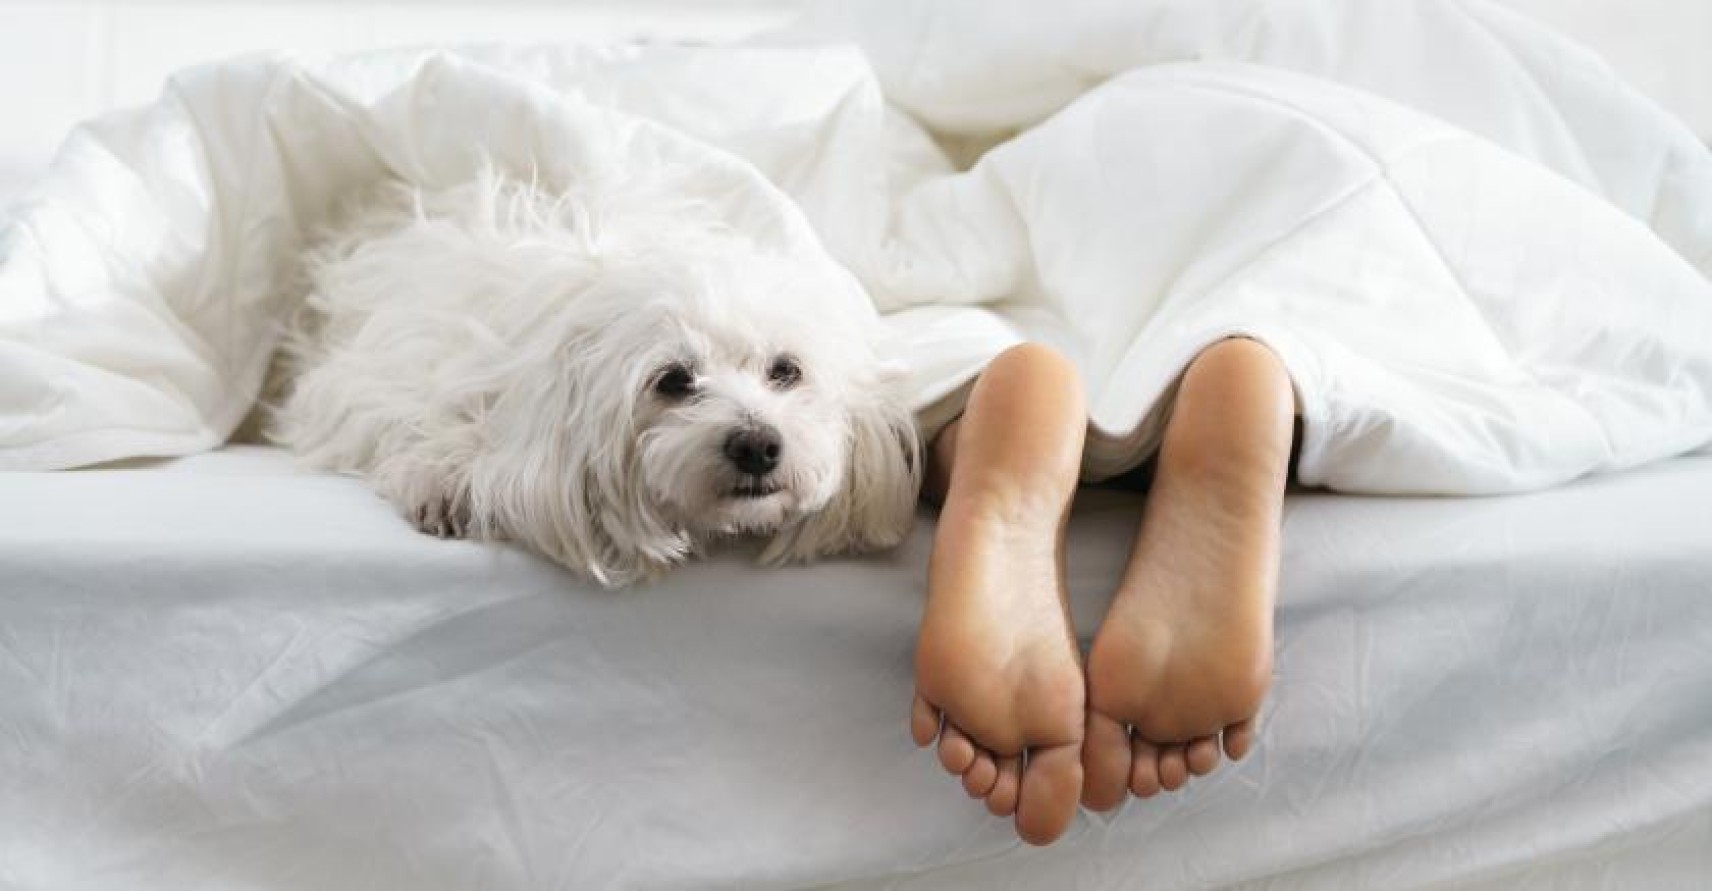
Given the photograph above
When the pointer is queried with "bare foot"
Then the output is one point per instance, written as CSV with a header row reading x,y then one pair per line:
x,y
996,660
1184,656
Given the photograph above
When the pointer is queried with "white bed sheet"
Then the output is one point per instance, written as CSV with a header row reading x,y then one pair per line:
x,y
219,672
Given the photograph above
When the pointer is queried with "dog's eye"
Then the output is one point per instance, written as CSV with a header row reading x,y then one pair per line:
x,y
675,382
784,373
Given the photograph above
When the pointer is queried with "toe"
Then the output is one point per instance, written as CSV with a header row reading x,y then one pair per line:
x,y
1173,768
956,752
1238,738
979,778
1202,755
1002,801
1144,768
1105,762
1051,782
924,721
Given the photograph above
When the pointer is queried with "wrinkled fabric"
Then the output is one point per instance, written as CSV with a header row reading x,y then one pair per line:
x,y
223,673
1483,260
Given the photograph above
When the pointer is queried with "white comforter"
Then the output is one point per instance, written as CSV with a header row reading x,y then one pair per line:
x,y
1485,262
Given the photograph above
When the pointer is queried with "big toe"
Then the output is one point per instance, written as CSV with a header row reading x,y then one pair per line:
x,y
1238,738
1105,762
924,721
1051,783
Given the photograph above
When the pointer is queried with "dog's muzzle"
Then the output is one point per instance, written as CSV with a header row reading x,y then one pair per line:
x,y
754,451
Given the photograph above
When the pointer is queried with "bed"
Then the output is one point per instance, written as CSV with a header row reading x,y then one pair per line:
x,y
223,672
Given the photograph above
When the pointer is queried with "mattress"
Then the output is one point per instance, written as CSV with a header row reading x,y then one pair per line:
x,y
222,672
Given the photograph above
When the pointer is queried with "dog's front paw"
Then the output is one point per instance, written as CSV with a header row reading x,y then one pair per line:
x,y
445,516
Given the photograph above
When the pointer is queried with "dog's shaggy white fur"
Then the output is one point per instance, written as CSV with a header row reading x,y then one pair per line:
x,y
611,378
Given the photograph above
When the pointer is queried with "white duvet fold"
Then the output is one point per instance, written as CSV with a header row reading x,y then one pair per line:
x,y
1483,259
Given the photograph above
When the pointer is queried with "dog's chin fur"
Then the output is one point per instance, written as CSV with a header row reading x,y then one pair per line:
x,y
489,357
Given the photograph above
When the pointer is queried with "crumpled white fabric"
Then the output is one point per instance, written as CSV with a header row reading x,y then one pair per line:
x,y
1483,259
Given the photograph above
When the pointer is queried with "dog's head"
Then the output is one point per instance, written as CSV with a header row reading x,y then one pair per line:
x,y
683,386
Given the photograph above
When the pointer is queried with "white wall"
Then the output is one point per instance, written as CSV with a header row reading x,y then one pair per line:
x,y
61,62
1663,47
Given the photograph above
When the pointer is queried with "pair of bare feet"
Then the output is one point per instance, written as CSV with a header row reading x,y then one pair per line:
x,y
1179,666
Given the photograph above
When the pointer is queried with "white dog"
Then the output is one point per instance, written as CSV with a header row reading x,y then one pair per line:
x,y
612,379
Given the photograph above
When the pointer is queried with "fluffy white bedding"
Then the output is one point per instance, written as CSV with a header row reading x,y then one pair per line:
x,y
222,673
1484,260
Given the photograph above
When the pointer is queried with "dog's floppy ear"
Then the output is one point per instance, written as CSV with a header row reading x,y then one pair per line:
x,y
558,472
876,505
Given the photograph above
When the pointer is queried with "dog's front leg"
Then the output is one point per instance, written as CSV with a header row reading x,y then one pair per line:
x,y
446,515
429,484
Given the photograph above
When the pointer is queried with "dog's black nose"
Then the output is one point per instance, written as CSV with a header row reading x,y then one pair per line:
x,y
754,450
